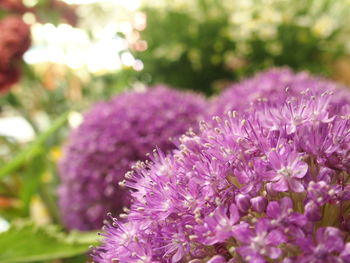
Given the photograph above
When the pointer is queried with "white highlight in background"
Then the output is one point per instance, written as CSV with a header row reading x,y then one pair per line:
x,y
4,225
129,4
16,127
72,47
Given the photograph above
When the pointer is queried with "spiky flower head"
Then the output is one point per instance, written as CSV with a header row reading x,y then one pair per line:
x,y
268,183
112,136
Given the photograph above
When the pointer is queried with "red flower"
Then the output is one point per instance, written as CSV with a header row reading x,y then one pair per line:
x,y
14,41
16,6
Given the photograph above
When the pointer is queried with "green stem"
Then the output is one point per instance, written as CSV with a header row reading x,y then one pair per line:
x,y
33,147
50,204
25,115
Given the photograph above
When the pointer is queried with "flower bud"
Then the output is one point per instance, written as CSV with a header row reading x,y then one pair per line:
x,y
217,259
243,203
199,252
312,211
270,191
258,204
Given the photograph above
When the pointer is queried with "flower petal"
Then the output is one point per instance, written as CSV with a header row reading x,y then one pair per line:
x,y
242,233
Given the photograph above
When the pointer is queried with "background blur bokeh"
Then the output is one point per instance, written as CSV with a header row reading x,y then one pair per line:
x,y
59,57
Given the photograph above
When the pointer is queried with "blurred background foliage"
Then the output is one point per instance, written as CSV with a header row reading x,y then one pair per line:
x,y
83,51
209,42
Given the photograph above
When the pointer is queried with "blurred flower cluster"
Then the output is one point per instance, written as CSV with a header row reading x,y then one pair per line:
x,y
14,41
16,6
268,85
15,37
111,138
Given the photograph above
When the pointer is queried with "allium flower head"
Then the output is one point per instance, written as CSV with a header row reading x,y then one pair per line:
x,y
268,183
14,41
269,85
112,137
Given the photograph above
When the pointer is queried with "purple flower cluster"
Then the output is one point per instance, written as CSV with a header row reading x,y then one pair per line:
x,y
266,183
268,85
112,136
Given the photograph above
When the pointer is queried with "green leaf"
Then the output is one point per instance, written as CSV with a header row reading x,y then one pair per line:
x,y
27,242
13,100
34,147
